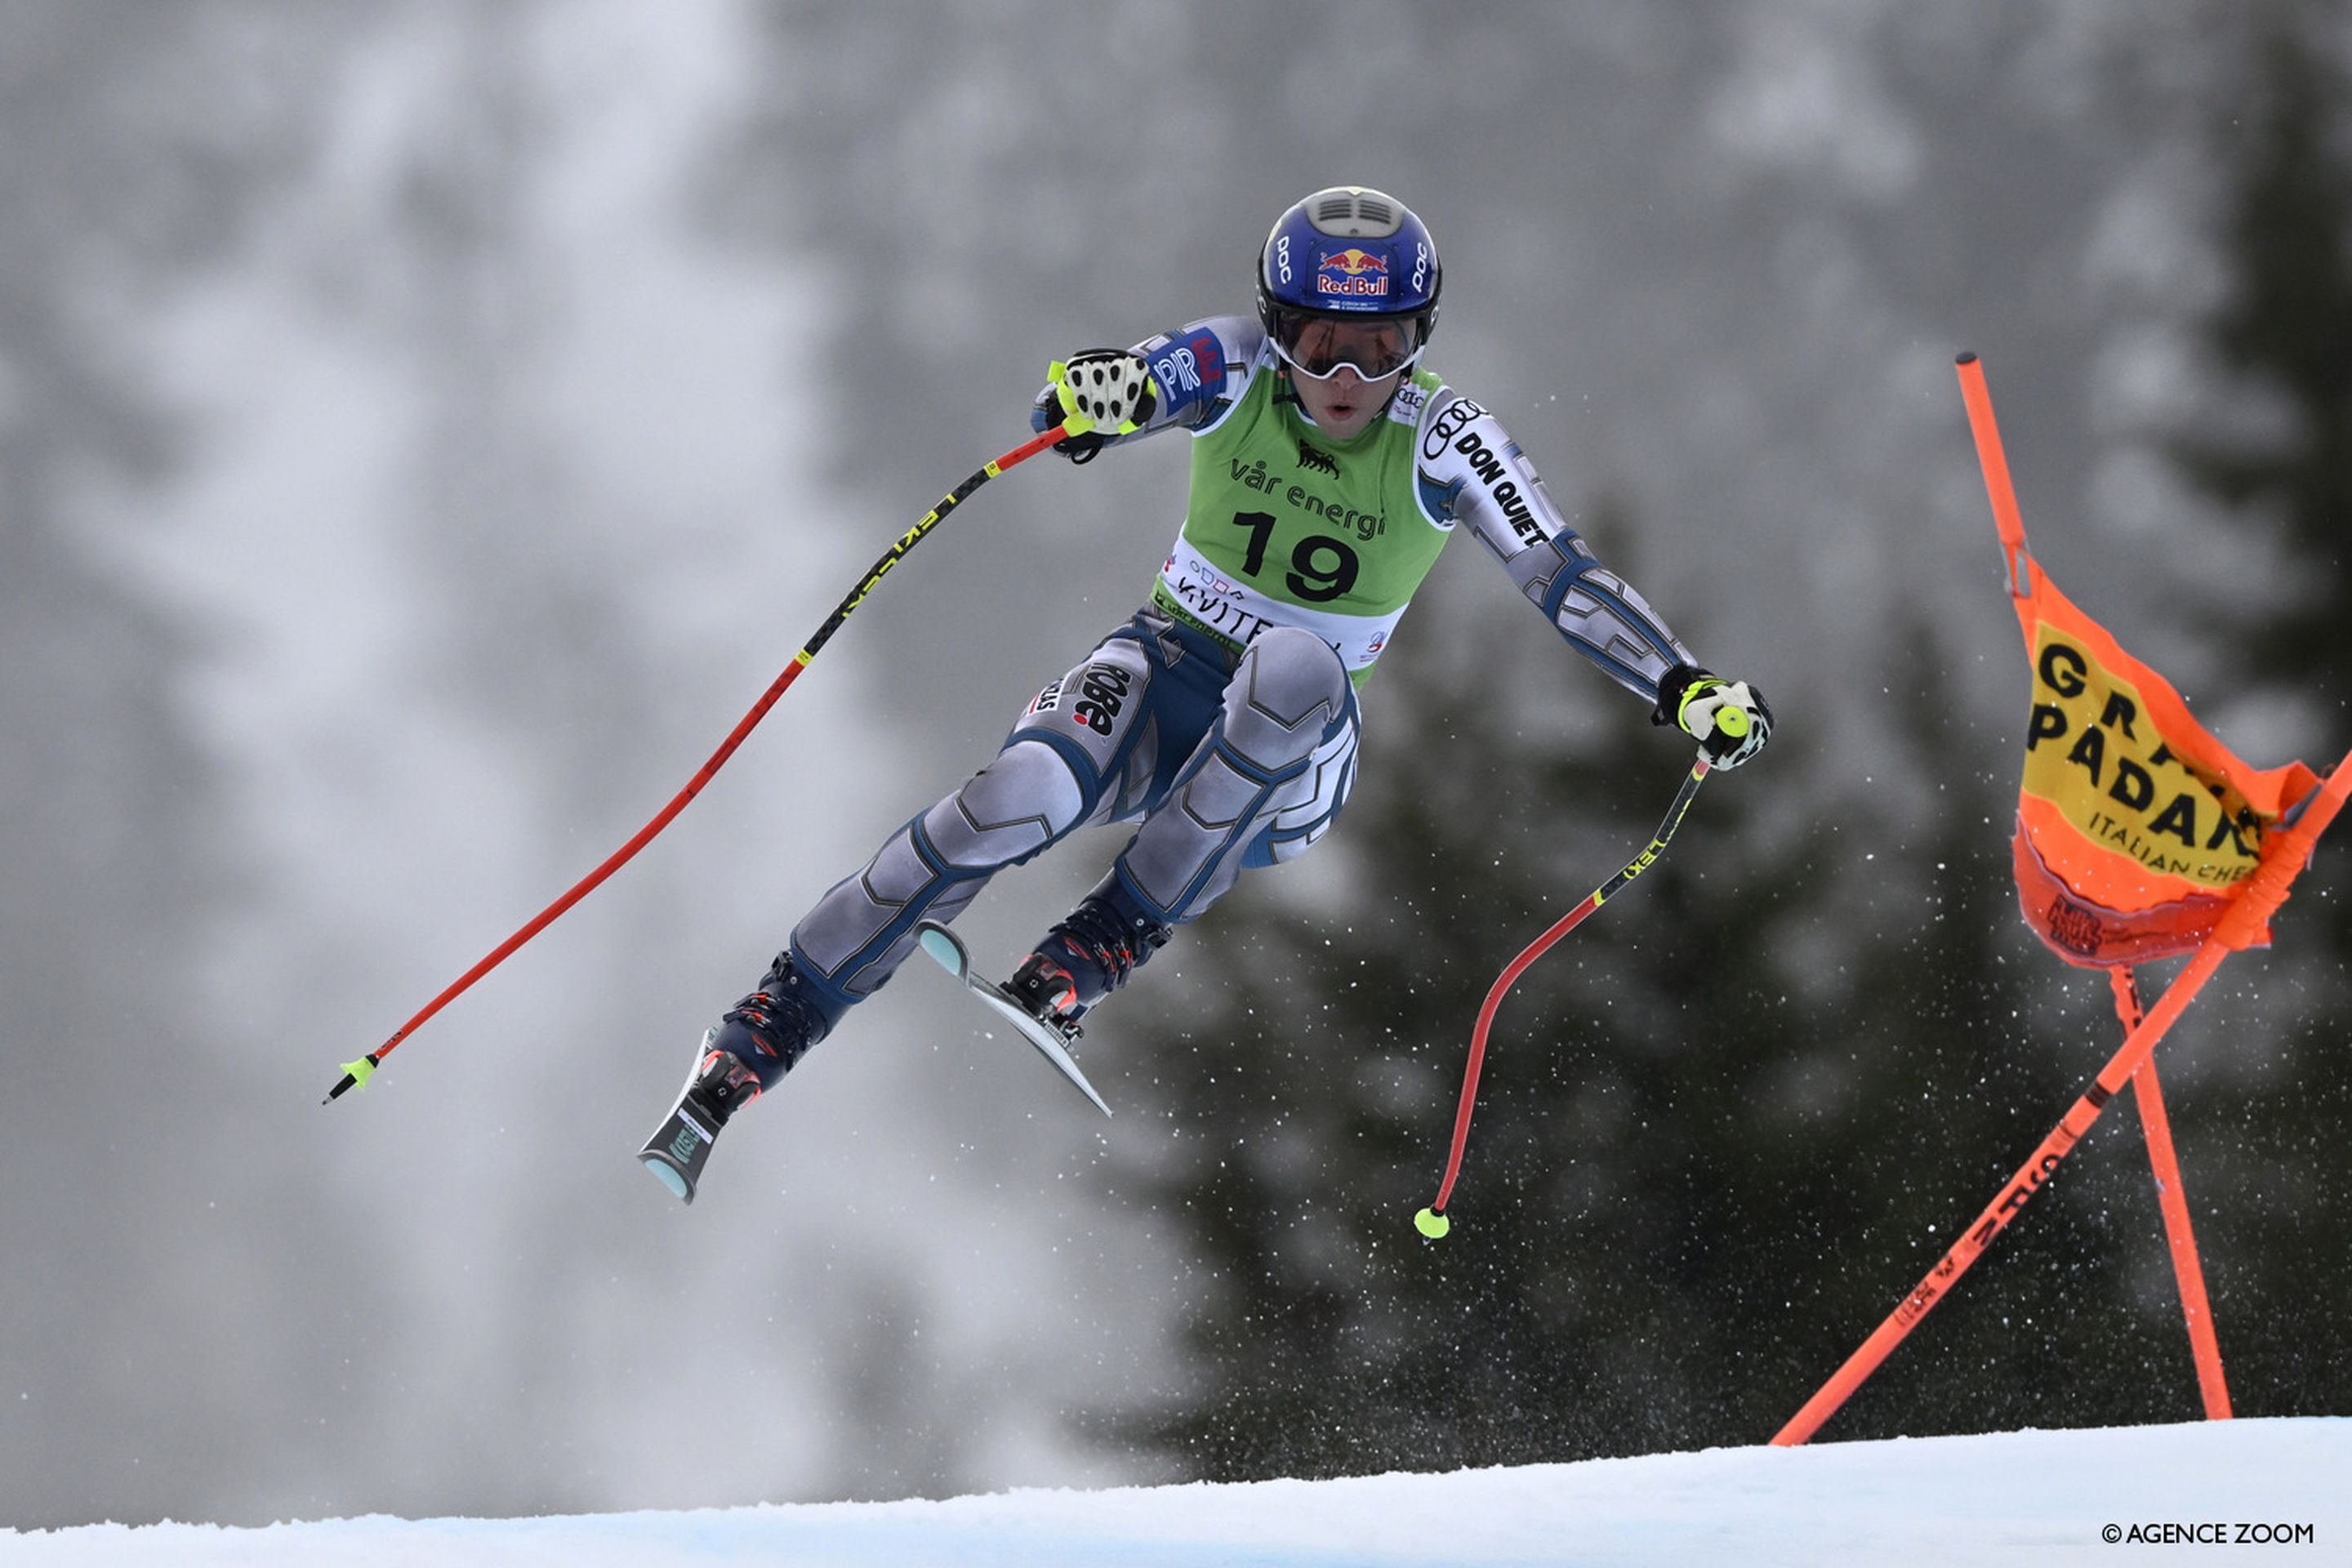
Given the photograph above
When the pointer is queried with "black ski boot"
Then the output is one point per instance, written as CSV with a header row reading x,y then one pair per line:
x,y
1086,958
756,1043
773,1028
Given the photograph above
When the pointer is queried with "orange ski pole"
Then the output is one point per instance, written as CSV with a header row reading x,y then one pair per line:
x,y
1431,1221
357,1073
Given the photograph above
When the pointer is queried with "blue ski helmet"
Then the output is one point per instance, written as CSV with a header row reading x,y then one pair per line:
x,y
1348,255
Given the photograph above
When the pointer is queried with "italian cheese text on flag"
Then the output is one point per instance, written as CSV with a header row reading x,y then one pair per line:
x,y
2136,828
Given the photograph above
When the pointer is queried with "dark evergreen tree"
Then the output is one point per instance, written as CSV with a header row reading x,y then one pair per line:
x,y
2274,1157
2286,333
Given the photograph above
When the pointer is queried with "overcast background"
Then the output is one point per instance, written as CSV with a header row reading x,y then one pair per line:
x,y
426,427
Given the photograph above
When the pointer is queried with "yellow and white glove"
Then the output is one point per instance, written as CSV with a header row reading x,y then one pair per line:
x,y
1105,392
1111,388
1729,719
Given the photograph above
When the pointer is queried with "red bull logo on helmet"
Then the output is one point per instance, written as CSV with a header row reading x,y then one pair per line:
x,y
1352,274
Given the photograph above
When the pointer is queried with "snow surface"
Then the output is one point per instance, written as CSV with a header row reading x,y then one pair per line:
x,y
2044,1497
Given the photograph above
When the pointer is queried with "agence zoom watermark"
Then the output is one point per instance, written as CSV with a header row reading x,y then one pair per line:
x,y
2175,1532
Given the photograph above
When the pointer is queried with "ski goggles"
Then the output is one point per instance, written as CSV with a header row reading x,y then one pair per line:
x,y
1317,346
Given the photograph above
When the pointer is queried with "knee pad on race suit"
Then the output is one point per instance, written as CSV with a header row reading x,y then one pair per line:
x,y
1284,741
1076,754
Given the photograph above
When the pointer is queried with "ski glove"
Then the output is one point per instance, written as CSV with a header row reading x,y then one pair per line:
x,y
1109,391
1729,719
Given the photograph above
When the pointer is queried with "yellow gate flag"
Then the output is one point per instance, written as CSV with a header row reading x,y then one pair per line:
x,y
2136,828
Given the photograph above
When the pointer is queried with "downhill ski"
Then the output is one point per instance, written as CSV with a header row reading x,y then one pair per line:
x,y
947,950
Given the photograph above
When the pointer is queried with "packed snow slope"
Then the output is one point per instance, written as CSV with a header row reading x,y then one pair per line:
x,y
2270,1492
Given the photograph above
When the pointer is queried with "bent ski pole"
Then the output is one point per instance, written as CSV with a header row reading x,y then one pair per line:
x,y
357,1073
1431,1221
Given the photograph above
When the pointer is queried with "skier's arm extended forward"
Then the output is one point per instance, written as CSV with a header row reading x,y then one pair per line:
x,y
1471,470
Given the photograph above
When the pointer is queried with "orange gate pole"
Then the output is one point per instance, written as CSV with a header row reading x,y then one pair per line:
x,y
2174,1199
2283,858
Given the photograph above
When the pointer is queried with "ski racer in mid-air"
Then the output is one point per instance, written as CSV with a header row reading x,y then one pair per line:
x,y
1328,469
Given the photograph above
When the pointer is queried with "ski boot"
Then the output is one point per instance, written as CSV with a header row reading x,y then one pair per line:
x,y
756,1043
1084,959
